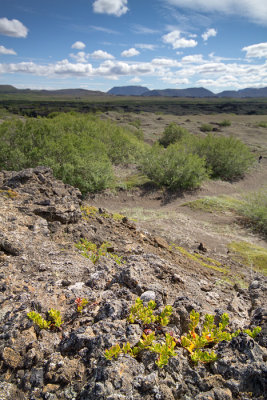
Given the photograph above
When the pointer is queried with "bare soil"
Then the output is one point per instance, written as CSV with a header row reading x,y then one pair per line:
x,y
165,215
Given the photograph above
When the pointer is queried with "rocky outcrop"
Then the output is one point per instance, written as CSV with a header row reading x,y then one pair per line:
x,y
40,269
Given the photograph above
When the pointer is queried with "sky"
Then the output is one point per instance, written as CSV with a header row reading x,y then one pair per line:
x,y
99,44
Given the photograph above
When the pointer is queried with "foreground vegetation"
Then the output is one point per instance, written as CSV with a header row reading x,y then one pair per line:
x,y
195,341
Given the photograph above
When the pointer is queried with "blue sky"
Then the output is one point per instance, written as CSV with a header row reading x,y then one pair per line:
x,y
98,44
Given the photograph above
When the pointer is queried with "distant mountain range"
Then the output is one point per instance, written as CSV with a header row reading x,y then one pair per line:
x,y
190,92
8,89
128,90
198,92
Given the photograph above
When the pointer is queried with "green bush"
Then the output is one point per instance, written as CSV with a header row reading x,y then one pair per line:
x,y
174,167
227,157
79,148
225,122
206,128
173,133
255,209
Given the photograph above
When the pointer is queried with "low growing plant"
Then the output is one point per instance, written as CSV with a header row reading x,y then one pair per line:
x,y
194,341
55,319
210,334
145,314
94,253
254,333
81,303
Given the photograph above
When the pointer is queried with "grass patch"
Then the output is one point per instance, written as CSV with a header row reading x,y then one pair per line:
x,y
224,123
206,128
212,204
262,124
143,214
250,254
255,210
132,181
202,260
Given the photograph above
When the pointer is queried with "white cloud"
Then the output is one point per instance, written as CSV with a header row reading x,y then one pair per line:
x,y
111,7
12,28
100,55
193,59
256,50
255,10
174,38
146,46
103,29
165,62
66,68
4,50
192,70
130,52
80,57
135,80
78,45
209,33
140,29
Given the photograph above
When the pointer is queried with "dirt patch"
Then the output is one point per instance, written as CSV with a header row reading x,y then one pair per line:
x,y
164,214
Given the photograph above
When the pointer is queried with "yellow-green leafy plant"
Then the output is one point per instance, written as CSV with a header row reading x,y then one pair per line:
x,y
210,334
94,253
38,320
164,350
254,332
55,319
89,211
142,314
194,341
145,314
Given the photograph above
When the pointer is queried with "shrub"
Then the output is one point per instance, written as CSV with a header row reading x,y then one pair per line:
x,y
227,157
255,209
173,133
225,122
206,128
79,148
174,167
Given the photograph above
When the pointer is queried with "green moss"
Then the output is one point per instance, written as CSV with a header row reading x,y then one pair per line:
x,y
250,254
211,204
202,260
